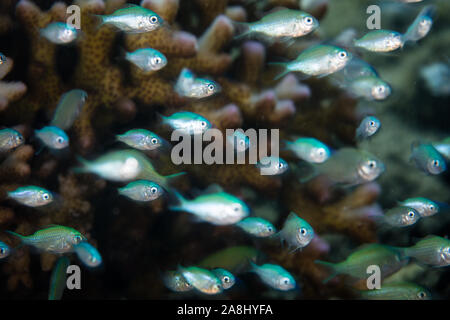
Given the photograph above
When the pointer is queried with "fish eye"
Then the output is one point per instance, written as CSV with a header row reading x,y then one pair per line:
x,y
372,123
280,165
342,54
269,229
2,251
157,60
226,279
153,190
153,19
211,87
421,295
46,196
380,89
204,123
154,140
303,231
77,239
242,142
411,214
431,207
371,164
286,281
308,20
60,140
435,163
236,208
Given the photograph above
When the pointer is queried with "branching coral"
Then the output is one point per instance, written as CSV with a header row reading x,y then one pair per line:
x,y
9,91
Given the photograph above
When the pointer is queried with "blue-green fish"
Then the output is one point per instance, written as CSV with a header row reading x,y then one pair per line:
x,y
370,88
425,207
147,59
31,196
125,165
4,250
133,19
54,239
389,260
3,58
319,60
88,254
239,140
285,23
58,278
53,137
189,86
69,108
427,158
257,227
175,281
142,190
309,149
436,77
421,26
219,208
443,148
59,33
140,139
226,277
380,41
272,166
431,250
357,68
10,139
274,276
296,232
202,279
401,216
397,291
188,123
368,127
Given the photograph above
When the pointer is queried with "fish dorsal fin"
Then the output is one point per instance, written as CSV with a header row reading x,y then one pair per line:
x,y
212,189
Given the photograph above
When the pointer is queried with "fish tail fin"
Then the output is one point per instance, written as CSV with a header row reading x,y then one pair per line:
x,y
179,199
331,266
101,20
282,65
82,169
243,28
15,234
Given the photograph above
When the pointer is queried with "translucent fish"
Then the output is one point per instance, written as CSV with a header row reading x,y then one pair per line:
x,y
187,122
142,190
226,277
443,148
125,165
296,232
88,254
54,239
133,19
5,250
309,149
401,216
285,23
140,139
175,281
69,108
189,86
257,227
368,127
319,60
31,196
201,279
431,250
218,208
397,291
272,166
380,41
427,158
389,260
239,140
370,88
425,207
147,59
357,68
274,276
53,137
437,78
233,258
10,139
3,58
421,26
59,33
58,278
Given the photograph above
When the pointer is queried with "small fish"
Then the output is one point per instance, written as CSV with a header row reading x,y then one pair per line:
x,y
370,88
10,139
421,26
309,149
401,216
285,23
3,58
54,239
274,276
189,86
319,60
423,206
368,127
142,190
257,227
431,250
389,260
239,140
4,250
380,41
69,108
147,59
125,165
187,122
58,278
272,166
357,68
59,33
219,208
140,139
31,196
231,258
53,137
296,232
437,78
397,291
175,281
225,276
443,148
88,254
427,158
133,19
201,279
